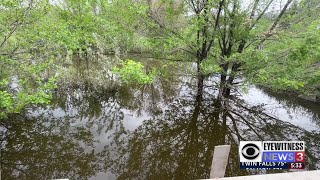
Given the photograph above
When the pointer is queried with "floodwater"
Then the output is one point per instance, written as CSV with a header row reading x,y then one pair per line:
x,y
97,129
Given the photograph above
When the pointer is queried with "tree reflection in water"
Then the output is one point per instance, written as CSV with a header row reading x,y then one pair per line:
x,y
45,148
84,132
179,143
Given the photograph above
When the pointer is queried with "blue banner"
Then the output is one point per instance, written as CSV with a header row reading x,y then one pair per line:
x,y
276,156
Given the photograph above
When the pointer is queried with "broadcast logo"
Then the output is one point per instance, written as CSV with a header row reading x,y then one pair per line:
x,y
272,154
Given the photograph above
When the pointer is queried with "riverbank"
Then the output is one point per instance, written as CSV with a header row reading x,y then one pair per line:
x,y
288,93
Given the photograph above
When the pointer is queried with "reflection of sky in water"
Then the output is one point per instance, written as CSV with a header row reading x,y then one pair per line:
x,y
132,119
297,116
77,107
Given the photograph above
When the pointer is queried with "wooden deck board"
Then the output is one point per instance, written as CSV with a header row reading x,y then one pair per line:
x,y
219,161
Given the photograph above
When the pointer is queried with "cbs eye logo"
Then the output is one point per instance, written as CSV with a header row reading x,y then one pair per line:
x,y
250,151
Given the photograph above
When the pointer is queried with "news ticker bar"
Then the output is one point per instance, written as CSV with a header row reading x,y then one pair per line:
x,y
272,165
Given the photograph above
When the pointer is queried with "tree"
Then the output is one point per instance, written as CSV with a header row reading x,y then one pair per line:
x,y
36,34
231,36
23,68
292,61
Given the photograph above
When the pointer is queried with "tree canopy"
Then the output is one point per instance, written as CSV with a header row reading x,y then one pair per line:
x,y
272,43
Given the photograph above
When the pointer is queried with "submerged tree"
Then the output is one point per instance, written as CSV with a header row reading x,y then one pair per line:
x,y
179,143
36,36
232,37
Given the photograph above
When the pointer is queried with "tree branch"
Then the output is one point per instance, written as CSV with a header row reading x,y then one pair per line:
x,y
275,23
221,3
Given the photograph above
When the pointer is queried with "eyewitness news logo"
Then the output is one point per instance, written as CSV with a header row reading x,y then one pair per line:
x,y
272,154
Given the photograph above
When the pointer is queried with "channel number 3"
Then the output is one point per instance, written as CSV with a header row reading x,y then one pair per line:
x,y
299,157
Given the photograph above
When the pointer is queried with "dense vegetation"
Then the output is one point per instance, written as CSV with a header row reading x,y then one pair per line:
x,y
267,42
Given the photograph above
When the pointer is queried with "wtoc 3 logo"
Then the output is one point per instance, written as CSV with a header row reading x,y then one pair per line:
x,y
250,151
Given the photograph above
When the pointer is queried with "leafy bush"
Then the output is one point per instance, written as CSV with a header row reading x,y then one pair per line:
x,y
133,72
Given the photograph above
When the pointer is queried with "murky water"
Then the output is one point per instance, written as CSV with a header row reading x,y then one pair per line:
x,y
97,129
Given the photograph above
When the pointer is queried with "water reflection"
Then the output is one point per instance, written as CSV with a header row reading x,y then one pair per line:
x,y
297,104
167,130
46,148
178,144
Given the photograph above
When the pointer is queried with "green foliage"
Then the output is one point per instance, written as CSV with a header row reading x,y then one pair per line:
x,y
133,72
288,63
21,85
15,102
24,60
6,103
34,34
285,83
209,67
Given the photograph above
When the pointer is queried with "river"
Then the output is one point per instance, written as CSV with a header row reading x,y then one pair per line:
x,y
98,129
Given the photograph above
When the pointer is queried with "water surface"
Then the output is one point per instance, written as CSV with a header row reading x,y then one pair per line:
x,y
96,128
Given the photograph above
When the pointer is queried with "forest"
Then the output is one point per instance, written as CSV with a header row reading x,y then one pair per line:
x,y
142,89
